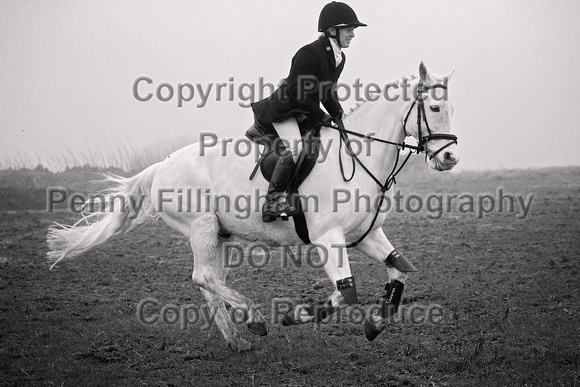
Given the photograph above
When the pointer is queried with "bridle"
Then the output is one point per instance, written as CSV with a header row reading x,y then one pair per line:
x,y
420,147
422,117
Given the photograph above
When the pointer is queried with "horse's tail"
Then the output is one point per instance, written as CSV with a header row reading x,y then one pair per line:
x,y
131,196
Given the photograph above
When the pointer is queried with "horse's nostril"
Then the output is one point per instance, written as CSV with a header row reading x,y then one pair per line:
x,y
448,157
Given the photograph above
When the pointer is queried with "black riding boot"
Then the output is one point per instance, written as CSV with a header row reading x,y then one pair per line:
x,y
276,201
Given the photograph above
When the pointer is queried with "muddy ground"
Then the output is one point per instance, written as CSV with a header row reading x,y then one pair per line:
x,y
507,284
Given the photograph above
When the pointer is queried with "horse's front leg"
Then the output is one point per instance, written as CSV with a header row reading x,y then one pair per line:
x,y
331,249
377,246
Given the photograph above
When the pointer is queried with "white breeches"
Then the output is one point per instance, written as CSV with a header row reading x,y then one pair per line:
x,y
290,133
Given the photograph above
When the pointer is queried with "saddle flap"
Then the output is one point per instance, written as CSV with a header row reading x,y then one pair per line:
x,y
306,161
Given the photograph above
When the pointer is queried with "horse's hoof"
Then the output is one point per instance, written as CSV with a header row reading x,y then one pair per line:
x,y
288,320
258,328
371,331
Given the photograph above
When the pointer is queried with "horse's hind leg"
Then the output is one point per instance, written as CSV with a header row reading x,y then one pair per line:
x,y
217,312
209,273
217,309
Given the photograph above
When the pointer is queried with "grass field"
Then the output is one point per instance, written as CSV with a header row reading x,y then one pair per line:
x,y
508,285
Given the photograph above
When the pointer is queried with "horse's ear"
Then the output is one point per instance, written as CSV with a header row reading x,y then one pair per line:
x,y
423,73
447,77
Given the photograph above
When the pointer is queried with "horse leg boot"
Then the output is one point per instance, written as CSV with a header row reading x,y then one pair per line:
x,y
276,201
316,313
399,265
389,305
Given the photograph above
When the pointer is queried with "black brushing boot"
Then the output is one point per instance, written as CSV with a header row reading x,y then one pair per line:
x,y
392,299
276,202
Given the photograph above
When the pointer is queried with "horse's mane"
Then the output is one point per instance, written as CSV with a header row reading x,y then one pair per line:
x,y
353,109
364,100
434,79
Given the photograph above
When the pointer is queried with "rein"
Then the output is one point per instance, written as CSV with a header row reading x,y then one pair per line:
x,y
421,146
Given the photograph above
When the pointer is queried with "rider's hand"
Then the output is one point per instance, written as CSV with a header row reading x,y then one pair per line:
x,y
327,120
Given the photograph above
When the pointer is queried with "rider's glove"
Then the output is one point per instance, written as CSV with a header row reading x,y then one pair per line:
x,y
327,120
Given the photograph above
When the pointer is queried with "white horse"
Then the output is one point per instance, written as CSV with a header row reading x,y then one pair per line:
x,y
217,172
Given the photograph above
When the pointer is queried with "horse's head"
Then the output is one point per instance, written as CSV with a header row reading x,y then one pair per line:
x,y
428,119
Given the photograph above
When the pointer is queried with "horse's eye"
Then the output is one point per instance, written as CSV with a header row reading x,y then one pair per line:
x,y
434,109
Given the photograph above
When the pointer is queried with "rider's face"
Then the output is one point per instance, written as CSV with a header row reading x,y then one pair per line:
x,y
345,36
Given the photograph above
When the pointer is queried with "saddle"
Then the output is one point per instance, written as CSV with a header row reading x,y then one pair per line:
x,y
265,134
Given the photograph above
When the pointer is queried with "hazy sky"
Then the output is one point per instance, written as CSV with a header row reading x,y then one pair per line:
x,y
67,69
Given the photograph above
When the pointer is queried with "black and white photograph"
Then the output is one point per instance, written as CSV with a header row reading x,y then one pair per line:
x,y
275,193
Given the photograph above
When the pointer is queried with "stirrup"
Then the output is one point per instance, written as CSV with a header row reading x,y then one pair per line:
x,y
289,209
274,208
286,210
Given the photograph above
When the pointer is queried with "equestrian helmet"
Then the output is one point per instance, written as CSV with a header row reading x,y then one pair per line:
x,y
337,14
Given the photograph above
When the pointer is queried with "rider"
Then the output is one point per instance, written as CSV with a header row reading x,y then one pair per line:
x,y
314,72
